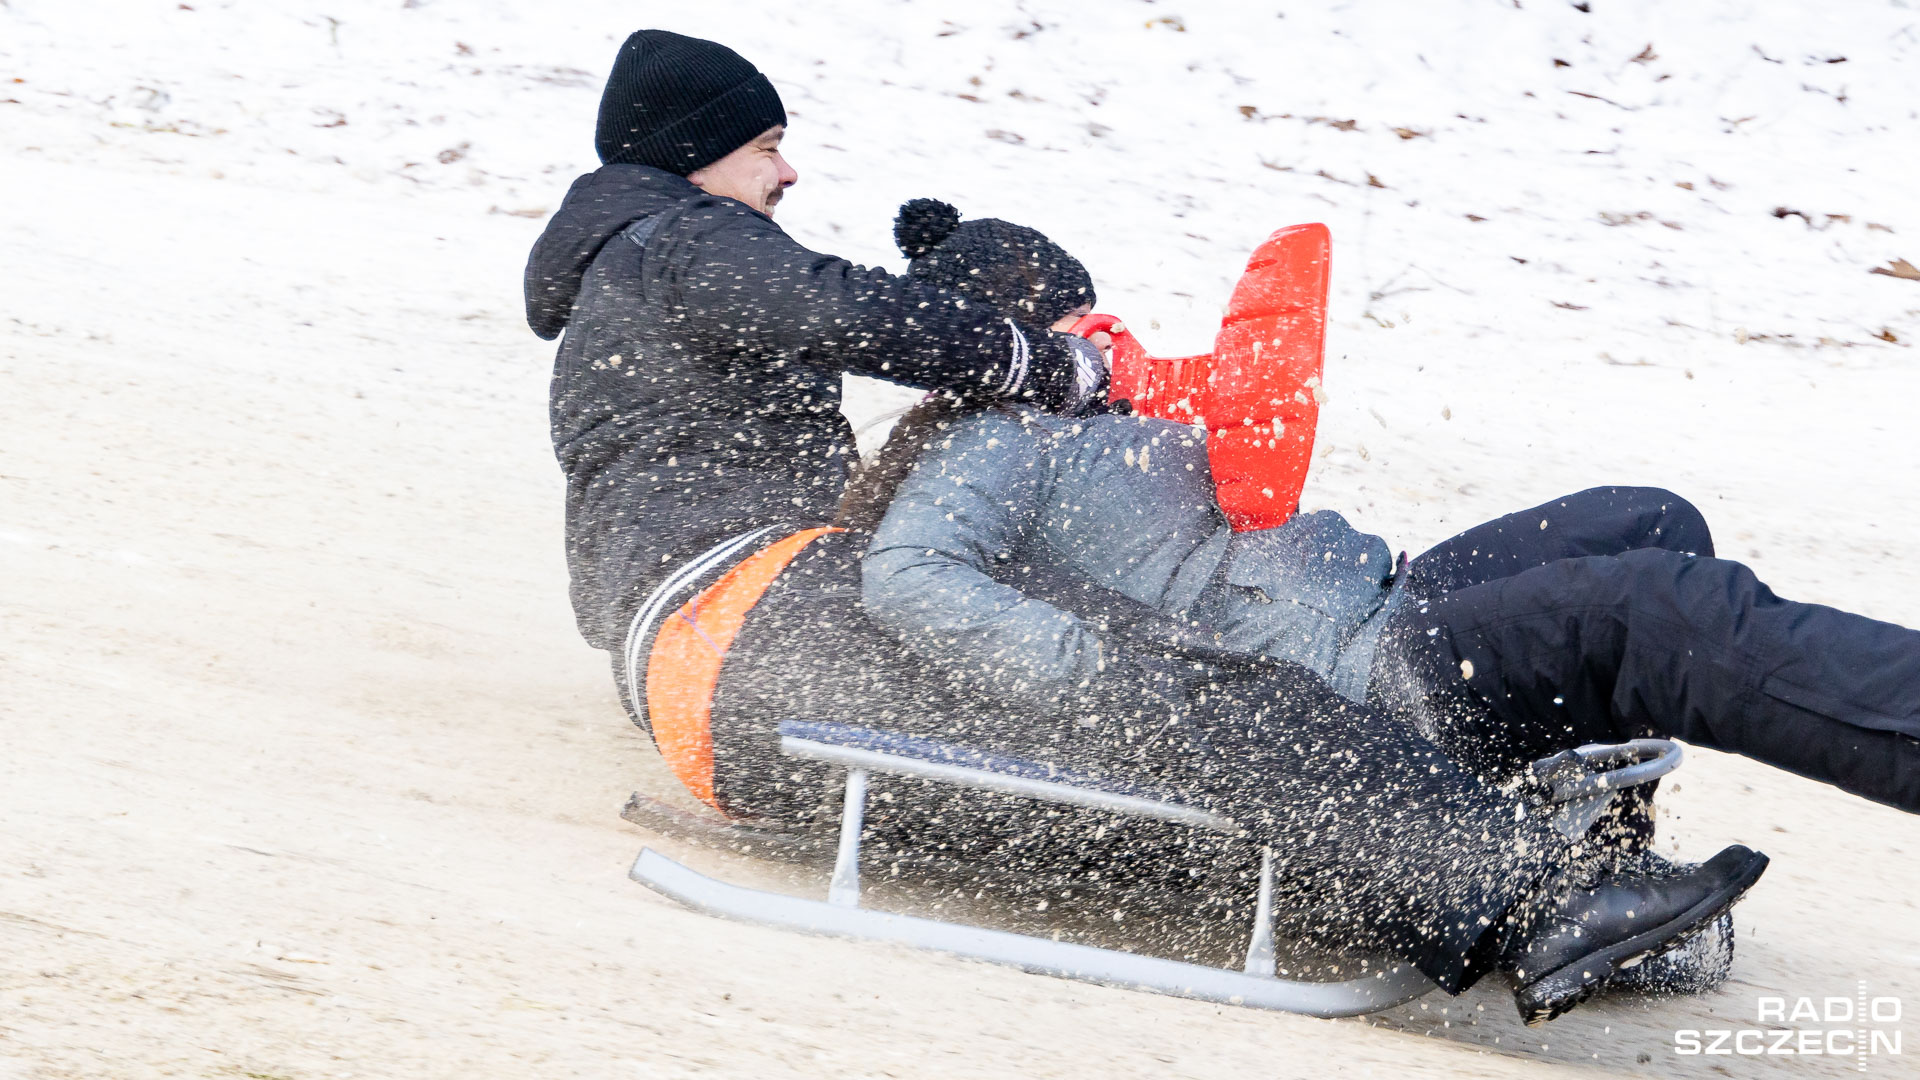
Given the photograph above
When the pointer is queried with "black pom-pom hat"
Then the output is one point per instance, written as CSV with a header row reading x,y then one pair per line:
x,y
1007,267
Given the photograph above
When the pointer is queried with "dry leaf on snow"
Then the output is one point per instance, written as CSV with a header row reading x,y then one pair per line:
x,y
1899,268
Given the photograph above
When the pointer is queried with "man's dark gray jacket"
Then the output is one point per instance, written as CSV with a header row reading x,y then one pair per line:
x,y
696,394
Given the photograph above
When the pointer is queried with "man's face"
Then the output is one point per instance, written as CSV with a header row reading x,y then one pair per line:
x,y
755,174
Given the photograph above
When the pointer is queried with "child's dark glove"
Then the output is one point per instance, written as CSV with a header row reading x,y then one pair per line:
x,y
1066,374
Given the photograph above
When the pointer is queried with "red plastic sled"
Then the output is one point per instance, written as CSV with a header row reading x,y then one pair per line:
x,y
1257,392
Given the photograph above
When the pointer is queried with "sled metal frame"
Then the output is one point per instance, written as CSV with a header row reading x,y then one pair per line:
x,y
1580,783
1382,985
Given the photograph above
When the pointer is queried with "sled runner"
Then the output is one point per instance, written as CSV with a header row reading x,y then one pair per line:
x,y
1576,785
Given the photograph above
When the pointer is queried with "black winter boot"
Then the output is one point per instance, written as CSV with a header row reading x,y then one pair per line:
x,y
1560,950
1621,842
1699,964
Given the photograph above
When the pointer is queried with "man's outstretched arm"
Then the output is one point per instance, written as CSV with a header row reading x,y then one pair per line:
x,y
743,283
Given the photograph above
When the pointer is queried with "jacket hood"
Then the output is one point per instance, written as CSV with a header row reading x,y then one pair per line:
x,y
596,208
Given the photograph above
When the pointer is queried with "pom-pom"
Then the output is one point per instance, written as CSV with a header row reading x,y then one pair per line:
x,y
922,224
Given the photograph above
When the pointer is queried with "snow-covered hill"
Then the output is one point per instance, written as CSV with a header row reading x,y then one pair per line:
x,y
273,482
1525,198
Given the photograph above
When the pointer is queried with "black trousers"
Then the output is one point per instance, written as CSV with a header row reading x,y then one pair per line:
x,y
1604,616
1382,844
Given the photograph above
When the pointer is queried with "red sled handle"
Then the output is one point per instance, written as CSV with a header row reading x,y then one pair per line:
x,y
1157,386
1258,391
1129,359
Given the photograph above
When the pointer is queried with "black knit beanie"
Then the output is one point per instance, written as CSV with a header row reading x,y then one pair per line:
x,y
1007,267
679,103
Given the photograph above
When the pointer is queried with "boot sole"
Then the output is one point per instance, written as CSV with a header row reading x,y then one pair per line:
x,y
1555,993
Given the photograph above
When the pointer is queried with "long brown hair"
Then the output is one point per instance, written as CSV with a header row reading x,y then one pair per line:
x,y
873,484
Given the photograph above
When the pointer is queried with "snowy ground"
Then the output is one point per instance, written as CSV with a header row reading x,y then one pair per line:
x,y
307,773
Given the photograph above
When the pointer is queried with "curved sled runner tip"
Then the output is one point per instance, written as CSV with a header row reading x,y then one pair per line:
x,y
1381,988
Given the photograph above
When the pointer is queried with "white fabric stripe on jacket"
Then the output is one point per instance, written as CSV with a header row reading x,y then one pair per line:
x,y
662,600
